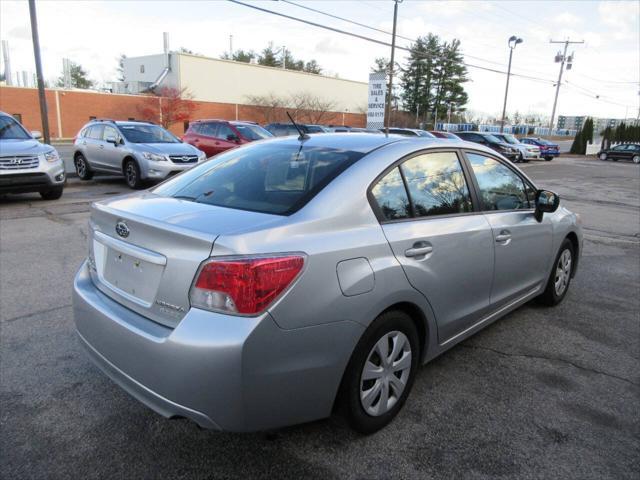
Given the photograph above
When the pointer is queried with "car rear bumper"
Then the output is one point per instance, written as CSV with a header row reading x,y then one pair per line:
x,y
223,372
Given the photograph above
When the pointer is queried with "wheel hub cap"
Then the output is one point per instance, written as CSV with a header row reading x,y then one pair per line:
x,y
385,373
563,272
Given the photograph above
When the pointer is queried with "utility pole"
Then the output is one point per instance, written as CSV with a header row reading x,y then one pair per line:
x,y
387,117
513,42
284,57
36,53
230,47
560,58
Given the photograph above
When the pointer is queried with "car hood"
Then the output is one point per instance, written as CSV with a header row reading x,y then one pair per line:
x,y
168,148
23,147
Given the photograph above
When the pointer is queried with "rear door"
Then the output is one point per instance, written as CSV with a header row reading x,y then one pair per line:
x,y
444,247
94,147
522,245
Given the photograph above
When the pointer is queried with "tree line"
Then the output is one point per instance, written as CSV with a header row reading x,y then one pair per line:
x,y
273,57
431,80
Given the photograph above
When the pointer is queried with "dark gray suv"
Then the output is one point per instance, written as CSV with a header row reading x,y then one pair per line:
x,y
138,150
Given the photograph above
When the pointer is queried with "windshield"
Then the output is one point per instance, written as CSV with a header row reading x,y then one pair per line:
x,y
510,138
253,132
147,134
12,130
266,177
315,129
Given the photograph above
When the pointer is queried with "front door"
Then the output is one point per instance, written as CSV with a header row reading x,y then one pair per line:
x,y
110,155
445,249
522,244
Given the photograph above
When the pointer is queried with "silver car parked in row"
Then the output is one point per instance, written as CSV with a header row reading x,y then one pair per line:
x,y
140,151
26,165
289,277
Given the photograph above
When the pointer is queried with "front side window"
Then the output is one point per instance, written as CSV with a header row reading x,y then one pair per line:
x,y
224,131
95,132
436,184
391,196
12,130
500,188
253,132
269,178
147,134
109,132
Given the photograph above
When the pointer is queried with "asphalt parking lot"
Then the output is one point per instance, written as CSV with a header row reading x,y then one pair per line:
x,y
542,393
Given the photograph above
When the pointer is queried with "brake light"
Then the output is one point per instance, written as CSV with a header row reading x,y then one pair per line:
x,y
244,285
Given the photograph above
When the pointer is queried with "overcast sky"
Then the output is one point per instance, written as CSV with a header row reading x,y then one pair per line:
x,y
94,33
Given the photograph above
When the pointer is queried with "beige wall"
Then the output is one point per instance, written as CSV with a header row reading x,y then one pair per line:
x,y
215,80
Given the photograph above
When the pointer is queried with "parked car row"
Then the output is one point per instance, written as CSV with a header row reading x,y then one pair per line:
x,y
144,152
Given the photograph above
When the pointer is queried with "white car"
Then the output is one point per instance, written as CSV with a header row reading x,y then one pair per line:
x,y
527,152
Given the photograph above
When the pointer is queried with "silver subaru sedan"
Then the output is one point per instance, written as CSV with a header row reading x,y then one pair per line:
x,y
291,278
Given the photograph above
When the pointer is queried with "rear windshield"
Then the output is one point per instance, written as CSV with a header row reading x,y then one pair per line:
x,y
268,178
147,134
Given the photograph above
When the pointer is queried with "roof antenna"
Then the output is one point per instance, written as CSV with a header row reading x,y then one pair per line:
x,y
303,136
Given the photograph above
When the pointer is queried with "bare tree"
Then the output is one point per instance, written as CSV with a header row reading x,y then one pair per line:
x,y
303,106
271,106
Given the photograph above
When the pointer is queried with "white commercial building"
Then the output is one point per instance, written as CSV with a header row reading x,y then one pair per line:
x,y
225,81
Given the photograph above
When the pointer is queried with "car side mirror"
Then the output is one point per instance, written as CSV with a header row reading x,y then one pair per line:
x,y
36,134
233,138
112,139
546,202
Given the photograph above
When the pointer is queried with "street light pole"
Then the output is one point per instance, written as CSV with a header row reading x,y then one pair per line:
x,y
387,117
513,41
36,54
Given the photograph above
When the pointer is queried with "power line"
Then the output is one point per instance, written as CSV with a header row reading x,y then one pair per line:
x,y
379,42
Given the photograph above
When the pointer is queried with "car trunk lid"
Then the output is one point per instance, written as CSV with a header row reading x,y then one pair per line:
x,y
145,249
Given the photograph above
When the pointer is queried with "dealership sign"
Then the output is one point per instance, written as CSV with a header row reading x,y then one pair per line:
x,y
377,94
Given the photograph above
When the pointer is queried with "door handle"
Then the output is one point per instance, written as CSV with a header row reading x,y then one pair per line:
x,y
216,143
101,146
419,249
504,237
195,140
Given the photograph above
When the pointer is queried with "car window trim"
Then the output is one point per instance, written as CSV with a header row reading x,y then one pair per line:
x,y
373,203
476,187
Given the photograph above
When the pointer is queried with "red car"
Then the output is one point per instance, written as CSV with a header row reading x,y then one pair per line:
x,y
215,136
449,135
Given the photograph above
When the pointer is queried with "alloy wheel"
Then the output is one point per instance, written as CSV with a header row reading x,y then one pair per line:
x,y
636,159
81,167
131,174
385,373
563,272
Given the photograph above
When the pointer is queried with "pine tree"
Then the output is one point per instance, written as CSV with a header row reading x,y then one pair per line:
x,y
268,57
79,77
120,68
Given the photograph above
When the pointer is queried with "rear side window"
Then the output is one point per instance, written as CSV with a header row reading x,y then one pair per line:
x,y
269,178
500,188
391,196
436,184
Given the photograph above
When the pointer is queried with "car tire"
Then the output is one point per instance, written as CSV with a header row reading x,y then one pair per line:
x,y
636,159
603,157
548,159
521,158
52,193
397,368
560,276
131,172
81,165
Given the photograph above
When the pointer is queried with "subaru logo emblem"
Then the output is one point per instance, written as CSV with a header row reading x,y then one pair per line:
x,y
122,229
185,159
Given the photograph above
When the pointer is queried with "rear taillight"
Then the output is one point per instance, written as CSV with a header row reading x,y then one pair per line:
x,y
244,285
